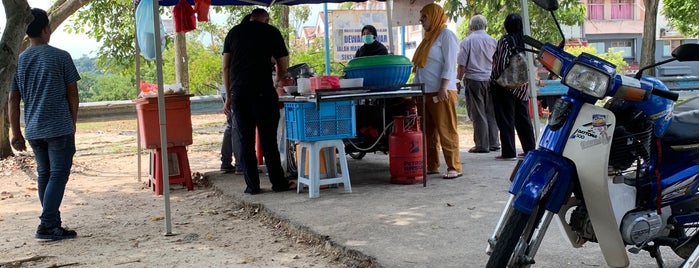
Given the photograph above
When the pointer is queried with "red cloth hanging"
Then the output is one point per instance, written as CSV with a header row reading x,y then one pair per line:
x,y
202,9
184,16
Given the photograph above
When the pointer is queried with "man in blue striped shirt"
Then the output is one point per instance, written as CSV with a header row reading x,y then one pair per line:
x,y
46,81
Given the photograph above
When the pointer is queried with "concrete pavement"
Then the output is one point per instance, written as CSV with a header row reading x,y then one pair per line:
x,y
445,224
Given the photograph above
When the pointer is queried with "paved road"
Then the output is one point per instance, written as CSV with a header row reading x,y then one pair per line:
x,y
445,224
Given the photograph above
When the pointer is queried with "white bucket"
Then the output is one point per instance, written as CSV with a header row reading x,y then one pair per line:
x,y
303,85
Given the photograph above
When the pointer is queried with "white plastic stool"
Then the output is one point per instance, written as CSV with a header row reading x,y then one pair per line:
x,y
311,151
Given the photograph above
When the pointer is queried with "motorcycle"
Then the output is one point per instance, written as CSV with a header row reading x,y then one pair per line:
x,y
622,175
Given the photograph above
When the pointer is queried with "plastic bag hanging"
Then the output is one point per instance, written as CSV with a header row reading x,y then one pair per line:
x,y
184,16
145,32
202,9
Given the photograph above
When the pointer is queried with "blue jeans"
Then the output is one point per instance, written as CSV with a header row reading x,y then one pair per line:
x,y
54,158
229,145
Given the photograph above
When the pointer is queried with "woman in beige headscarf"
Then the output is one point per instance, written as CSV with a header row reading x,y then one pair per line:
x,y
434,64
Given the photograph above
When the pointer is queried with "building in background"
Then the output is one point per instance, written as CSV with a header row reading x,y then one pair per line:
x,y
618,25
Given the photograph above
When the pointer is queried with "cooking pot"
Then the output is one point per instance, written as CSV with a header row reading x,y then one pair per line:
x,y
299,70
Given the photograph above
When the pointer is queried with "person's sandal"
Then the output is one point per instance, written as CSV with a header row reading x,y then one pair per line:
x,y
452,174
475,150
290,186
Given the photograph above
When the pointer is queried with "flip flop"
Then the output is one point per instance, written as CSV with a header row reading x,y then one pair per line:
x,y
291,186
432,172
452,174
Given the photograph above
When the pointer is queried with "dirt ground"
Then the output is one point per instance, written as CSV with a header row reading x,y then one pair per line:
x,y
121,223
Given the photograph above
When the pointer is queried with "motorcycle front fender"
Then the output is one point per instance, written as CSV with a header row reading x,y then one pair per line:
x,y
541,172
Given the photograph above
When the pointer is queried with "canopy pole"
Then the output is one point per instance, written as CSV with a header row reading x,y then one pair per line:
x,y
327,39
391,47
402,40
161,117
533,86
137,58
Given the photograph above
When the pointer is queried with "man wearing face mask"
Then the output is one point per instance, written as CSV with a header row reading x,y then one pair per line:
x,y
371,46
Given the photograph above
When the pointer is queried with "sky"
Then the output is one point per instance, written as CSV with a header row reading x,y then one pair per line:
x,y
76,45
79,45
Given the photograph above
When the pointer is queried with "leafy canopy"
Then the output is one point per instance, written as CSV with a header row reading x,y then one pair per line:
x,y
683,16
570,12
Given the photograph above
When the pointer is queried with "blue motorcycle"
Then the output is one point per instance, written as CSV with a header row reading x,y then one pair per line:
x,y
624,175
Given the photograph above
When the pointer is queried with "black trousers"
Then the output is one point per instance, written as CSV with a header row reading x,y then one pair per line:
x,y
512,113
261,112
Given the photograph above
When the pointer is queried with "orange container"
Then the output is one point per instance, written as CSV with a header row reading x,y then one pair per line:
x,y
178,118
322,164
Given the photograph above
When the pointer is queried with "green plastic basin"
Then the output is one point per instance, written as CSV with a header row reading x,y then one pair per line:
x,y
380,60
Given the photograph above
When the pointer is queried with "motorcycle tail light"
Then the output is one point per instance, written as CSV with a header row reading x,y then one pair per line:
x,y
587,80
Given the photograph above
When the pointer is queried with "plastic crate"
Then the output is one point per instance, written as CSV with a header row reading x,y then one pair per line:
x,y
334,120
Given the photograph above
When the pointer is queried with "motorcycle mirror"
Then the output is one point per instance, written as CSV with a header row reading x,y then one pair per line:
x,y
551,6
686,52
548,5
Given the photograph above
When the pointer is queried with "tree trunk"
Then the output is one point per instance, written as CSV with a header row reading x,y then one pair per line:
x,y
284,22
648,44
18,17
181,61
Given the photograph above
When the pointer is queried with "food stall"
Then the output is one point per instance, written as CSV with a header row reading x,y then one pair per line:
x,y
382,95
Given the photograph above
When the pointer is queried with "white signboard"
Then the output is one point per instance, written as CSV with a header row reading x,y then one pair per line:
x,y
347,31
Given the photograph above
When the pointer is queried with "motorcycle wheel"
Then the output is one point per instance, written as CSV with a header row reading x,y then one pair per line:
x,y
357,155
513,239
689,234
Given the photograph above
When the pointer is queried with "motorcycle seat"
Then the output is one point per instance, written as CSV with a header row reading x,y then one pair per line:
x,y
684,127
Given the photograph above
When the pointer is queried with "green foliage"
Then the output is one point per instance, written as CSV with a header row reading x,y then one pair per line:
x,y
345,6
315,58
85,86
85,64
462,29
93,87
616,58
298,16
570,12
683,16
114,87
204,68
111,23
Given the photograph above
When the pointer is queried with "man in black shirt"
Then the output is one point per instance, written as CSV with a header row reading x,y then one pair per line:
x,y
253,100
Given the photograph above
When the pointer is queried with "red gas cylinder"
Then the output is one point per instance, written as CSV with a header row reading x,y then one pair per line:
x,y
405,150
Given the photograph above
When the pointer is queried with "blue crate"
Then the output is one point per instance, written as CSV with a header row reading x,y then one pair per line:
x,y
334,120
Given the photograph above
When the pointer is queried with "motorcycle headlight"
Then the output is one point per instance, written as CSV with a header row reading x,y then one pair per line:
x,y
587,80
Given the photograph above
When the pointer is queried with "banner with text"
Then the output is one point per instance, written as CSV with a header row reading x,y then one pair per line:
x,y
347,31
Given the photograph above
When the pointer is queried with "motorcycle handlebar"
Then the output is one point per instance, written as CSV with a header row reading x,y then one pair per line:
x,y
665,94
532,42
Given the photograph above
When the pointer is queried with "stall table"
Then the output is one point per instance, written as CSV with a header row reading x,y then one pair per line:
x,y
365,93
